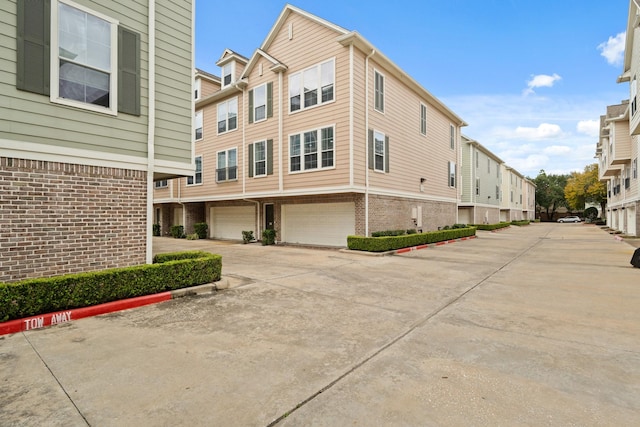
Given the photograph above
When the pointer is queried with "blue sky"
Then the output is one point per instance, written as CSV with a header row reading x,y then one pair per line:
x,y
530,77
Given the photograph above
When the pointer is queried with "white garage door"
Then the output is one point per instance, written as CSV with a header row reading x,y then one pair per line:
x,y
229,222
318,223
631,221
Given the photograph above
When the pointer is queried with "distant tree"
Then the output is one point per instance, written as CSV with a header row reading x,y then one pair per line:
x,y
585,187
550,193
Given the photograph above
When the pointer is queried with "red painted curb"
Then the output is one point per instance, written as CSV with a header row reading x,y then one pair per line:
x,y
44,320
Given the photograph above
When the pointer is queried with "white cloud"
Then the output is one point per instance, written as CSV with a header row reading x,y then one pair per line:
x,y
613,49
589,127
557,150
540,80
544,131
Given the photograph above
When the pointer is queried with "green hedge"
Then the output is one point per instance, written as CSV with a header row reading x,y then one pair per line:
x,y
390,243
45,295
521,223
490,227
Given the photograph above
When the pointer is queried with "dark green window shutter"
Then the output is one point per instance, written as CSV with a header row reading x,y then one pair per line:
x,y
269,156
33,46
128,71
371,148
269,99
386,154
250,147
251,106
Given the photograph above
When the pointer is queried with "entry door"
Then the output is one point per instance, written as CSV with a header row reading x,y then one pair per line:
x,y
268,217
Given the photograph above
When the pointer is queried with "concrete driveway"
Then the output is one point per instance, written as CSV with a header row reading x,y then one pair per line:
x,y
536,325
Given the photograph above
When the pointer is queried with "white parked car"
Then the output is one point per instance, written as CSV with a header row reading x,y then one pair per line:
x,y
569,219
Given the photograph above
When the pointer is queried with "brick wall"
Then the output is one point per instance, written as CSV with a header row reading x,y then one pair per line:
x,y
195,213
394,213
58,218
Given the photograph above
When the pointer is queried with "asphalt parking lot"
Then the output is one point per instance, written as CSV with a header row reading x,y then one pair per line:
x,y
533,325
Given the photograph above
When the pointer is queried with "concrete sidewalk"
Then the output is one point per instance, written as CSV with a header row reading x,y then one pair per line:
x,y
533,325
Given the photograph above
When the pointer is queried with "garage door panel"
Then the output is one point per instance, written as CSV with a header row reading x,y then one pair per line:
x,y
228,222
318,223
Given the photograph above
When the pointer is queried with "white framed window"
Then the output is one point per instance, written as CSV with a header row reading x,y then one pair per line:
x,y
260,158
379,151
84,58
260,103
451,178
198,125
423,119
378,90
197,177
228,115
312,86
312,150
477,159
488,165
197,89
477,186
163,183
452,137
227,166
227,73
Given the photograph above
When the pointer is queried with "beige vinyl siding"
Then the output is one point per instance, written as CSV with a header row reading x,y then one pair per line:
x,y
208,87
466,169
64,126
412,155
173,81
359,126
312,44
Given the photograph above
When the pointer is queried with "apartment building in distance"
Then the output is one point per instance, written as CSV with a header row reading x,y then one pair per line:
x,y
317,135
94,106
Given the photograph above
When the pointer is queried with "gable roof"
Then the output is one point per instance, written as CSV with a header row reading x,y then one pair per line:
x,y
259,53
228,55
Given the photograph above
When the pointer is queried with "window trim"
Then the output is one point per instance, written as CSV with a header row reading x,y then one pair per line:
x,y
384,151
452,175
300,76
255,160
256,106
163,183
378,93
55,58
318,151
194,177
226,166
452,136
232,65
227,130
197,88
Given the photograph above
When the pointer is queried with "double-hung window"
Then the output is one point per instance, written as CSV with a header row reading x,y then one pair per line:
x,y
423,119
452,174
313,86
452,137
306,153
197,178
227,169
378,90
227,74
260,103
634,167
163,183
378,151
477,186
85,53
260,158
228,115
198,125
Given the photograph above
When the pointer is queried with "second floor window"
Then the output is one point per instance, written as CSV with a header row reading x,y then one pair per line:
x,y
452,174
452,137
228,115
261,102
260,158
477,186
305,153
313,86
198,125
163,183
227,168
197,178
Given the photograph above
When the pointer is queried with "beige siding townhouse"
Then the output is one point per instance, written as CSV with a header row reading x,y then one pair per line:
x,y
511,204
528,200
94,106
481,184
617,153
318,135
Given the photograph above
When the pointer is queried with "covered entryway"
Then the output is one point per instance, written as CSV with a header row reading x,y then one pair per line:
x,y
326,224
228,222
465,216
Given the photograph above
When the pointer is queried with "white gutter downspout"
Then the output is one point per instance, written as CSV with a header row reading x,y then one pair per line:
x,y
280,132
151,126
351,93
366,133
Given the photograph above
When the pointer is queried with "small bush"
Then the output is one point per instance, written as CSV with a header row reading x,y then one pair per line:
x,y
269,236
156,229
521,223
491,227
454,226
390,243
247,236
46,295
412,231
388,233
201,229
193,236
177,231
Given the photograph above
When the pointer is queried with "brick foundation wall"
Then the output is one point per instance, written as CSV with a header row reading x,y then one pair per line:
x,y
195,213
394,213
58,218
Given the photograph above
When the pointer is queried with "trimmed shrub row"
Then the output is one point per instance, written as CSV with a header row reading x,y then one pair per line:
x,y
169,271
521,223
390,243
489,227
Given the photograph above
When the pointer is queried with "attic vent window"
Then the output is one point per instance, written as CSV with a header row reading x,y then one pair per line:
x,y
290,30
